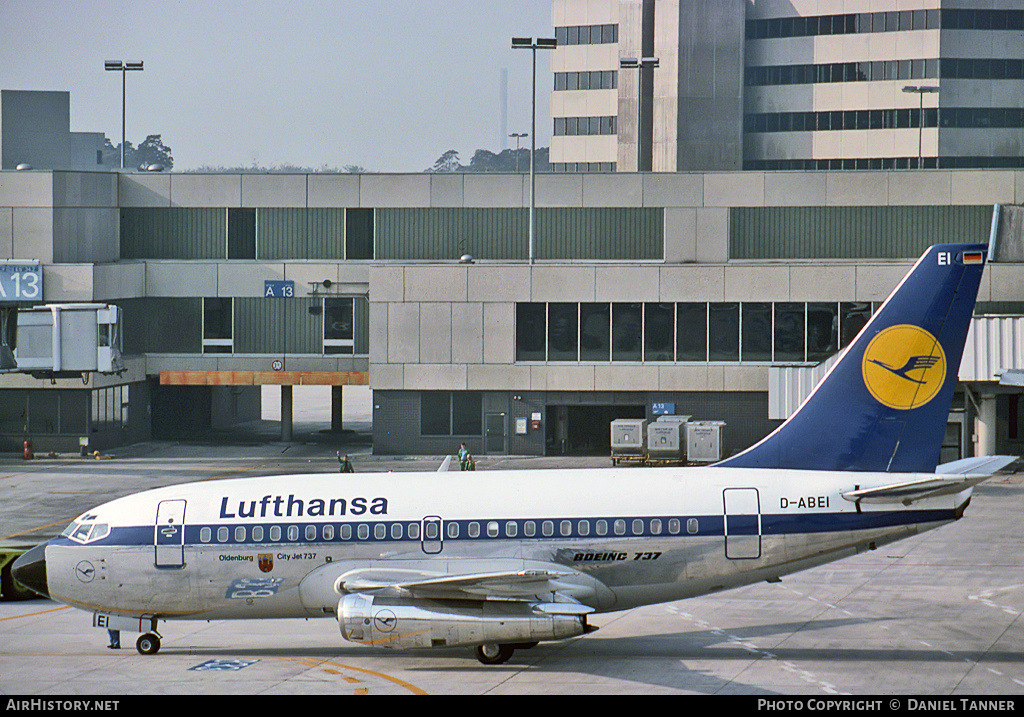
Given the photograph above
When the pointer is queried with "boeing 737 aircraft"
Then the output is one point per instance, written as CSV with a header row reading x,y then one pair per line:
x,y
501,560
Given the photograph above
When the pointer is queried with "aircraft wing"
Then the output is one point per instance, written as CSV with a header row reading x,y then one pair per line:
x,y
542,585
950,478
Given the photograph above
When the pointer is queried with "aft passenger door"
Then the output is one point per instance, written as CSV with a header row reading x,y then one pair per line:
x,y
742,523
169,534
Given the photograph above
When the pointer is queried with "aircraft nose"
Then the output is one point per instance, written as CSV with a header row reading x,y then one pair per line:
x,y
30,570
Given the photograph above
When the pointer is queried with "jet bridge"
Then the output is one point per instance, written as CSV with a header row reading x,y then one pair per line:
x,y
59,340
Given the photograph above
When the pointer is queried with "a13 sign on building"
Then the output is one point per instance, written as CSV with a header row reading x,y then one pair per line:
x,y
21,281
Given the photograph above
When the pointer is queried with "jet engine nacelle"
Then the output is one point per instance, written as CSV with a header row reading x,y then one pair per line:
x,y
391,622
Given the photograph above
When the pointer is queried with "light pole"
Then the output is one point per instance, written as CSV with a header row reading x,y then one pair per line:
x,y
631,63
920,91
518,136
529,43
122,67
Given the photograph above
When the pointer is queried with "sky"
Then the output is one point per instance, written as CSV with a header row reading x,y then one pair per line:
x,y
388,85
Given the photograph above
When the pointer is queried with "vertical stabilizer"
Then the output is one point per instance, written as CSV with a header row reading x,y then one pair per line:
x,y
884,404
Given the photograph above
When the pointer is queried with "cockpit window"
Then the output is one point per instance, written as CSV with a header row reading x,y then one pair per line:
x,y
87,532
69,530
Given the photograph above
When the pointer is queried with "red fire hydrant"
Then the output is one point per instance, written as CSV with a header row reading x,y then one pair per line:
x,y
28,450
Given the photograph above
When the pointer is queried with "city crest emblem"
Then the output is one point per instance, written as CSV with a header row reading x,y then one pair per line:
x,y
266,562
904,367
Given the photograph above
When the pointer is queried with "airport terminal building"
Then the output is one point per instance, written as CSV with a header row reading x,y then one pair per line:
x,y
679,289
760,235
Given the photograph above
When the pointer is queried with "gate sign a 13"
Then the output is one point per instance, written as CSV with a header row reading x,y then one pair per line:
x,y
21,282
278,289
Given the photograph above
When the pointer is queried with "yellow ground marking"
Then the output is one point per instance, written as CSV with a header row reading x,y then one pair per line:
x,y
33,614
314,663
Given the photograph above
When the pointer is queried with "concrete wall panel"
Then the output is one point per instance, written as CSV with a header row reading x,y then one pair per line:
x,y
435,283
467,333
273,190
394,190
26,189
206,190
757,283
627,283
692,283
490,282
816,282
436,333
332,190
144,190
33,233
680,235
403,333
246,279
165,278
499,333
563,283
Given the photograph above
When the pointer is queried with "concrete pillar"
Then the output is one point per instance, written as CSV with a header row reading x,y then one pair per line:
x,y
337,409
286,413
985,426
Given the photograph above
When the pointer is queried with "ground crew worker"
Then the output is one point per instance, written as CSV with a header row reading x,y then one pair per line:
x,y
344,464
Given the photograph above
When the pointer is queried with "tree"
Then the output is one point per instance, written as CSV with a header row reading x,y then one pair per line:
x,y
447,162
151,151
508,160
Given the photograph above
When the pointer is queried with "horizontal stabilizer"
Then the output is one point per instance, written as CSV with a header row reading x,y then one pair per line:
x,y
911,491
443,468
982,465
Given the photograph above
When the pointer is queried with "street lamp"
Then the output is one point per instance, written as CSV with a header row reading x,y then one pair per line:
x,y
122,67
633,63
529,43
518,136
920,91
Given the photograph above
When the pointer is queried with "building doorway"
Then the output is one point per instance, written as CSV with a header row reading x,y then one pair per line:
x,y
584,430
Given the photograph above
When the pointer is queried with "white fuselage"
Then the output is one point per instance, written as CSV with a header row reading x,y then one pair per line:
x,y
275,546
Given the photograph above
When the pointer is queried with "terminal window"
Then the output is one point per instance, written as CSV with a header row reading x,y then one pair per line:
x,y
756,332
339,325
451,413
218,321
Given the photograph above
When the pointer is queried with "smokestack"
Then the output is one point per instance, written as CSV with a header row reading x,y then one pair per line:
x,y
503,104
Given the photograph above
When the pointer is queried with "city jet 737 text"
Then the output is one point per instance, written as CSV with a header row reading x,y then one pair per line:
x,y
501,560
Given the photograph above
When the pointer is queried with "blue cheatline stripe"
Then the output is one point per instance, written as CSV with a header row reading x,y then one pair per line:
x,y
342,533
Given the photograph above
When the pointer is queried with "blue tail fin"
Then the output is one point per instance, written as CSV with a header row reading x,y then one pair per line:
x,y
884,404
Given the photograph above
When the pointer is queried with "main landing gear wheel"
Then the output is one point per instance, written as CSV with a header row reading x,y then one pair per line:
x,y
148,644
494,654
